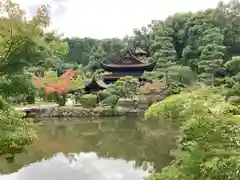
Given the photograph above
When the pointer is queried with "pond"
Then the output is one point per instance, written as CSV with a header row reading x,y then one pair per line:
x,y
122,148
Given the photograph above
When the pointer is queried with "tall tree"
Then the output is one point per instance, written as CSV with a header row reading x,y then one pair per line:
x,y
162,48
22,45
233,82
212,54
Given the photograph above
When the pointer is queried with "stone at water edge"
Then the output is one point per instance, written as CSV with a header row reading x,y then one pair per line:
x,y
70,102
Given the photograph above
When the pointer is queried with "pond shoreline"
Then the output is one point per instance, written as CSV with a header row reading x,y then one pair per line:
x,y
77,111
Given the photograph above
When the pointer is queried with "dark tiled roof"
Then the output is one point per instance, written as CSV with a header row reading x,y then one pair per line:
x,y
142,66
116,57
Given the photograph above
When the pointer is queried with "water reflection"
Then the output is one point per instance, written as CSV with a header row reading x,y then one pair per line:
x,y
124,139
87,166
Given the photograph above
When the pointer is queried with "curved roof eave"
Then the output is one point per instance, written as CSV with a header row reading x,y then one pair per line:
x,y
98,82
148,66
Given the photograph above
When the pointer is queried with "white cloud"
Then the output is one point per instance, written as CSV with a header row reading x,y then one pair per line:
x,y
112,18
87,166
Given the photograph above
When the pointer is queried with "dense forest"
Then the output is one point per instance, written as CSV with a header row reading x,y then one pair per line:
x,y
189,46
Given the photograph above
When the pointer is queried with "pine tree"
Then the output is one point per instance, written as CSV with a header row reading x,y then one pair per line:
x,y
162,48
212,54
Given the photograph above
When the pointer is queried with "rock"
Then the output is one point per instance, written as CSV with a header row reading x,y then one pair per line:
x,y
72,111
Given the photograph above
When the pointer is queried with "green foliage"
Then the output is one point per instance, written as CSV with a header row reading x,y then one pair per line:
x,y
208,145
110,100
176,76
77,83
153,75
125,87
22,45
103,94
15,132
201,42
233,82
212,53
179,77
50,77
233,64
88,100
31,98
16,84
80,50
181,74
162,48
60,99
89,52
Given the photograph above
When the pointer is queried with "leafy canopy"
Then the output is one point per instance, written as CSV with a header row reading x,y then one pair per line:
x,y
22,44
208,145
125,87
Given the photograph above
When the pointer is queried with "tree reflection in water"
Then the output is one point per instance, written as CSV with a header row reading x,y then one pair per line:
x,y
148,143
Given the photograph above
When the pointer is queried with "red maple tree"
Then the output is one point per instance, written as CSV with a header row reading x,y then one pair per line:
x,y
60,87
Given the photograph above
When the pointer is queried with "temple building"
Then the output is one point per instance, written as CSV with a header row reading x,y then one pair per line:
x,y
94,86
131,63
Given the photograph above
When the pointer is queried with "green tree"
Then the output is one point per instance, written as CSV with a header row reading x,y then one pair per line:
x,y
195,25
233,82
15,132
57,51
162,48
208,145
179,77
88,52
125,87
212,54
80,50
21,45
226,17
141,38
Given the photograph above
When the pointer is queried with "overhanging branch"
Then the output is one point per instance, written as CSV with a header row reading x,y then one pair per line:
x,y
9,49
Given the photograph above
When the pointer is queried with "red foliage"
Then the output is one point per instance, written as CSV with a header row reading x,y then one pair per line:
x,y
59,87
37,82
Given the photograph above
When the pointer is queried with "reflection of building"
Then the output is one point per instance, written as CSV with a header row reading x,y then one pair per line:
x,y
130,63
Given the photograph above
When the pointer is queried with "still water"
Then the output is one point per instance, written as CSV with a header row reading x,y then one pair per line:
x,y
123,148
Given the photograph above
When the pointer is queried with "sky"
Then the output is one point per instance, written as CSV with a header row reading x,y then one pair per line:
x,y
110,18
88,166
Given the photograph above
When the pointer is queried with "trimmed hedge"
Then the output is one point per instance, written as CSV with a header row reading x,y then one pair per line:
x,y
88,100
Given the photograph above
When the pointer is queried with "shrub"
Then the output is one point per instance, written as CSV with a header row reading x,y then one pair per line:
x,y
41,93
111,101
49,97
103,94
15,132
208,142
88,100
61,99
143,90
30,98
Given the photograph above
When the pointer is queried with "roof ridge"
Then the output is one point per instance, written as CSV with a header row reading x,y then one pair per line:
x,y
128,52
